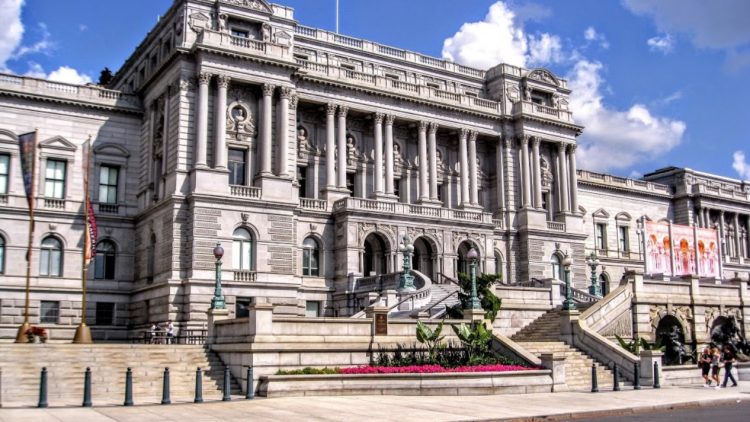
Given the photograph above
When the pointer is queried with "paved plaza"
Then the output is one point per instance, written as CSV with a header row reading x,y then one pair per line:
x,y
401,408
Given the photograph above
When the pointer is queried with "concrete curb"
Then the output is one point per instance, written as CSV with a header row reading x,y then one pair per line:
x,y
623,411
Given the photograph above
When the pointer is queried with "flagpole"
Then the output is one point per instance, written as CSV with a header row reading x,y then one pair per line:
x,y
83,332
21,335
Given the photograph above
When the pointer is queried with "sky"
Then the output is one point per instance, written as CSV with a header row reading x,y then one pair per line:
x,y
655,83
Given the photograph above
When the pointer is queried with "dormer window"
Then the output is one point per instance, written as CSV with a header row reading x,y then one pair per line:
x,y
541,98
392,76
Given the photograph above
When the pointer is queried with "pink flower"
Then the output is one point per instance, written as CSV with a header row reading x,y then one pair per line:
x,y
431,369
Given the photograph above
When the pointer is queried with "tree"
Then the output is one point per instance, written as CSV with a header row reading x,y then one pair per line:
x,y
105,77
490,303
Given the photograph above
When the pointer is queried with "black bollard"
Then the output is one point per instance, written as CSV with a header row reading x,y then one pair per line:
x,y
43,389
128,388
250,389
227,386
637,376
616,379
656,375
594,381
165,388
198,386
87,388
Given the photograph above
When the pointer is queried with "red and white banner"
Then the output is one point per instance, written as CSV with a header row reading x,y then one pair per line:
x,y
708,253
658,248
675,250
683,250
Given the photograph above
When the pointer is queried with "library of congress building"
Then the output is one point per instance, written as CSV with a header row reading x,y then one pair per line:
x,y
312,157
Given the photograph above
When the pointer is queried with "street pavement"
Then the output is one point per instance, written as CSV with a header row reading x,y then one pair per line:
x,y
556,406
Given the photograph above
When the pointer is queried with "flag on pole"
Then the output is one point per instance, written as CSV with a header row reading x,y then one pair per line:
x,y
27,146
91,232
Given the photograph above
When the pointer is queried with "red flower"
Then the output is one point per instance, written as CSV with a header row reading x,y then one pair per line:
x,y
431,369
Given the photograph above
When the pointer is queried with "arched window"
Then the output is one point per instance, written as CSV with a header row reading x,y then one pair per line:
x,y
104,266
243,248
557,270
2,255
499,265
50,261
310,257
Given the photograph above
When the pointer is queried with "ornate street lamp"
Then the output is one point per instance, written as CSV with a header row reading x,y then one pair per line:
x,y
595,288
472,256
217,302
568,304
406,281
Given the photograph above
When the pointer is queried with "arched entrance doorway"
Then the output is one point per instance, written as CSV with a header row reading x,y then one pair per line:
x,y
670,335
375,256
463,263
604,283
424,257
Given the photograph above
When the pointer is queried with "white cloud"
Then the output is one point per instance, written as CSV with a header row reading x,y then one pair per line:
x,y
35,71
82,27
500,38
677,95
592,35
635,134
740,165
42,46
662,44
69,75
714,24
11,30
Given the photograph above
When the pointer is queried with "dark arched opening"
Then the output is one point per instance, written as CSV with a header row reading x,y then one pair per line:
x,y
424,257
375,256
669,334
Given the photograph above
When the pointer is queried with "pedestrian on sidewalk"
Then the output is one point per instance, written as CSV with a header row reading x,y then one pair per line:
x,y
715,364
728,357
704,362
170,331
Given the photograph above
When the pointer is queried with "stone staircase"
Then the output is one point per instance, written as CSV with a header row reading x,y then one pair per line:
x,y
543,336
66,363
439,292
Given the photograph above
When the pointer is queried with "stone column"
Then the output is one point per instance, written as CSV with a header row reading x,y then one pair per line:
x,y
201,120
424,193
432,145
473,185
331,146
537,172
464,163
266,143
723,235
283,136
573,180
499,175
389,154
378,136
563,177
220,124
343,110
747,236
525,171
737,240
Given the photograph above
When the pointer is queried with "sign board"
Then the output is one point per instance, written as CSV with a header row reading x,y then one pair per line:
x,y
381,324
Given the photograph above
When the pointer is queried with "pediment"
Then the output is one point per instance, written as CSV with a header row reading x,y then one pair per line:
x,y
111,149
8,137
600,213
544,75
59,143
256,5
623,216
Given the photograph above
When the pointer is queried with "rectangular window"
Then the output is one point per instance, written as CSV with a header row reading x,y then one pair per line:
x,y
105,313
49,312
240,33
601,238
237,167
54,179
4,172
108,176
302,180
624,239
312,308
440,193
242,307
350,182
397,188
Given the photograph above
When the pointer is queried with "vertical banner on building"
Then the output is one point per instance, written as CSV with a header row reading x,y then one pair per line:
x,y
658,248
90,234
708,253
27,147
683,250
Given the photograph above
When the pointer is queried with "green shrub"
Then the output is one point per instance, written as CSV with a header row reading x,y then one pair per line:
x,y
309,371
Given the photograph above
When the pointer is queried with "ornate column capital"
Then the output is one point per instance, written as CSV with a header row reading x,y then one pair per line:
x,y
422,126
433,128
223,81
464,133
343,110
535,140
389,119
331,109
285,92
572,148
524,139
378,118
268,89
204,78
473,136
293,100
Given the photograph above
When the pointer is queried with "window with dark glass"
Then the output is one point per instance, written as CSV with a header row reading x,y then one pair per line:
x,y
601,236
4,171
108,176
623,238
557,270
350,182
440,193
151,264
50,257
242,307
54,179
104,266
302,180
397,188
105,313
310,257
242,250
49,312
2,255
237,167
240,33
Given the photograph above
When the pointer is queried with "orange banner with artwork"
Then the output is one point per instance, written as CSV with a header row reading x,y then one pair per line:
x,y
708,253
658,248
681,250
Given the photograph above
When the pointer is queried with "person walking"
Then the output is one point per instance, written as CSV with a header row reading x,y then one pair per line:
x,y
715,365
152,333
728,357
170,331
704,362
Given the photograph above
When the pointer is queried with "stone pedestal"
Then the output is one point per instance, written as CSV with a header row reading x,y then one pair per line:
x,y
474,314
567,321
556,363
333,194
556,296
648,357
213,316
205,180
275,188
260,318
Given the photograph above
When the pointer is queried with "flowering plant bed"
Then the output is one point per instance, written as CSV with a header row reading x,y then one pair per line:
x,y
34,333
431,369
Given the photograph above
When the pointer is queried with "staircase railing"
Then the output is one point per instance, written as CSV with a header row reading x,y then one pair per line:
x,y
418,296
440,312
534,282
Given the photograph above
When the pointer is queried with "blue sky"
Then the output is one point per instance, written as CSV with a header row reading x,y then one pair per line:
x,y
657,82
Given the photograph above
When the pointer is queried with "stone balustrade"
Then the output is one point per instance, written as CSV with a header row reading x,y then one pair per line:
x,y
608,180
250,192
242,45
313,204
539,110
397,208
556,226
720,192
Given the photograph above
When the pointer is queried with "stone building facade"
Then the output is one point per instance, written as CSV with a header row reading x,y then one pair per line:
x,y
308,155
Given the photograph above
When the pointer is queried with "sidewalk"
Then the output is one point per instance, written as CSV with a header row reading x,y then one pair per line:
x,y
399,408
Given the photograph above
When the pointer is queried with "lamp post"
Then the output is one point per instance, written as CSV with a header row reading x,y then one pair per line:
x,y
472,256
406,281
217,302
595,288
568,304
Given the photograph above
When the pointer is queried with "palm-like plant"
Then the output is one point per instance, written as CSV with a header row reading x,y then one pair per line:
x,y
430,338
